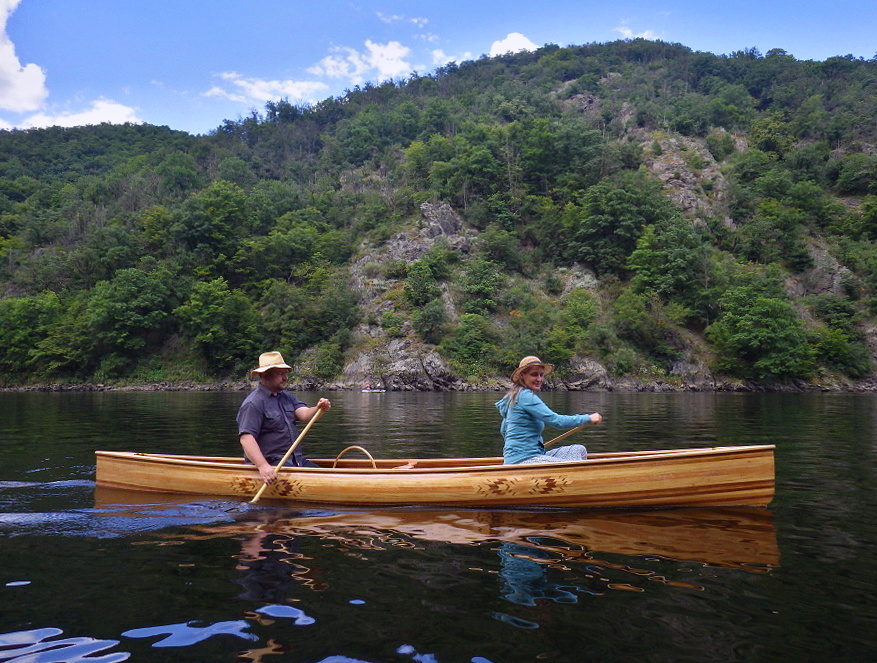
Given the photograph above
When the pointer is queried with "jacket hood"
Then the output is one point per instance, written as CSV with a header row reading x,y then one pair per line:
x,y
503,406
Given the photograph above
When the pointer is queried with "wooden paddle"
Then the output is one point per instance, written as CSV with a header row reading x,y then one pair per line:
x,y
565,435
317,415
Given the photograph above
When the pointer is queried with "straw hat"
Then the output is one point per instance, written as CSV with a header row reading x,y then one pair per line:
x,y
529,362
269,360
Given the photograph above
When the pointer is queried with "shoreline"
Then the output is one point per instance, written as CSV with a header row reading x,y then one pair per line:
x,y
621,385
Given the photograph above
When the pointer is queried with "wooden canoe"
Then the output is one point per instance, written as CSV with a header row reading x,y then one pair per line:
x,y
704,477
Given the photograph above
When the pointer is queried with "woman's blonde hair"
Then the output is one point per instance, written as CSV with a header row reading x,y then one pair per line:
x,y
513,393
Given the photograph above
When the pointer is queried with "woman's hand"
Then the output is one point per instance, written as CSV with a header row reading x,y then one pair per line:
x,y
596,418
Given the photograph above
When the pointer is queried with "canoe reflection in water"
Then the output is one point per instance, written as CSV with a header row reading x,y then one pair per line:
x,y
544,557
539,559
595,546
742,537
739,538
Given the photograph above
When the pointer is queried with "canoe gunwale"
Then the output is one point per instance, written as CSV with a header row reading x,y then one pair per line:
x,y
399,464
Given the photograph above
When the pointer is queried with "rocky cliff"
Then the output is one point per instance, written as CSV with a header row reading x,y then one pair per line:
x,y
692,179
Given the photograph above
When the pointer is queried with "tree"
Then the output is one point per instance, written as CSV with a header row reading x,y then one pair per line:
x,y
481,282
420,284
220,322
129,316
330,355
430,321
501,247
751,164
857,173
869,217
237,171
772,135
68,347
178,173
602,229
760,336
473,343
212,221
310,309
24,321
672,260
643,319
773,234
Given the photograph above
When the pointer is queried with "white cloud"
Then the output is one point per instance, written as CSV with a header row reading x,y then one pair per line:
x,y
627,33
102,110
387,58
439,57
376,62
22,88
417,21
344,63
513,43
390,18
257,89
381,61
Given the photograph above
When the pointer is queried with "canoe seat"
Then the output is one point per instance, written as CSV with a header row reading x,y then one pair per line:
x,y
351,447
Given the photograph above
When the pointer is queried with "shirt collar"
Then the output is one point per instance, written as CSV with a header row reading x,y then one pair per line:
x,y
267,392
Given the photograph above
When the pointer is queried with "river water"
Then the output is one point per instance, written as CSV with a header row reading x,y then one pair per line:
x,y
94,575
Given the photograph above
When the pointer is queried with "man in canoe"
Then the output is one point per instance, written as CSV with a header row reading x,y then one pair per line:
x,y
267,418
524,416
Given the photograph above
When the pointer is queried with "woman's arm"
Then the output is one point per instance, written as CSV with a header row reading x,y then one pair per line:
x,y
537,409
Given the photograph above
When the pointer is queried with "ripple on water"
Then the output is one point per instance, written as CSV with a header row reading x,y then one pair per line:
x,y
115,520
41,646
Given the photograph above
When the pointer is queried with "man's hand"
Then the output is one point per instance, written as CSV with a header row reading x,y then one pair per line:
x,y
268,474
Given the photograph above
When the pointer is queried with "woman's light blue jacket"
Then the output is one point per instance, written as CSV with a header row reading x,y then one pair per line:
x,y
523,423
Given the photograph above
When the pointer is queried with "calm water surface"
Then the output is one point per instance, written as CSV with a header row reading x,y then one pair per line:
x,y
92,575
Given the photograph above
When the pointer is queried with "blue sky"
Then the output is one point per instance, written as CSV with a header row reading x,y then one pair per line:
x,y
190,64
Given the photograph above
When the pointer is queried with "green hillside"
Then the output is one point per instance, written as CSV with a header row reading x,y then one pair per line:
x,y
633,211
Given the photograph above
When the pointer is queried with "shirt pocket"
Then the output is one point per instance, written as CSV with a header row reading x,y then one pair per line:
x,y
274,420
289,409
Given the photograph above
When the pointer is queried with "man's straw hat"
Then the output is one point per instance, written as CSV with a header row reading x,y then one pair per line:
x,y
267,361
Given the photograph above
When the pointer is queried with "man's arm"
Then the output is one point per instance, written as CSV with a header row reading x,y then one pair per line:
x,y
254,453
305,414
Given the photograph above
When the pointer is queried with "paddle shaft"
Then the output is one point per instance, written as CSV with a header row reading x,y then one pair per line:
x,y
286,456
564,435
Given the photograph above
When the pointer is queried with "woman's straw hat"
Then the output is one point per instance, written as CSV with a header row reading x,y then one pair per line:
x,y
529,362
269,360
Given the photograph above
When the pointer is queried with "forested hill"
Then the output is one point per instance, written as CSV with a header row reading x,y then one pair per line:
x,y
630,211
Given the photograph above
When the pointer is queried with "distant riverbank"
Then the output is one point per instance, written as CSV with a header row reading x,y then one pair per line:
x,y
627,385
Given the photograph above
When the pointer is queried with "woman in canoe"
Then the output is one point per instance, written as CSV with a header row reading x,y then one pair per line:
x,y
524,415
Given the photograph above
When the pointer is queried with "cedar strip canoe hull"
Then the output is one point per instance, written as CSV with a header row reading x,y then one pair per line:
x,y
706,477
